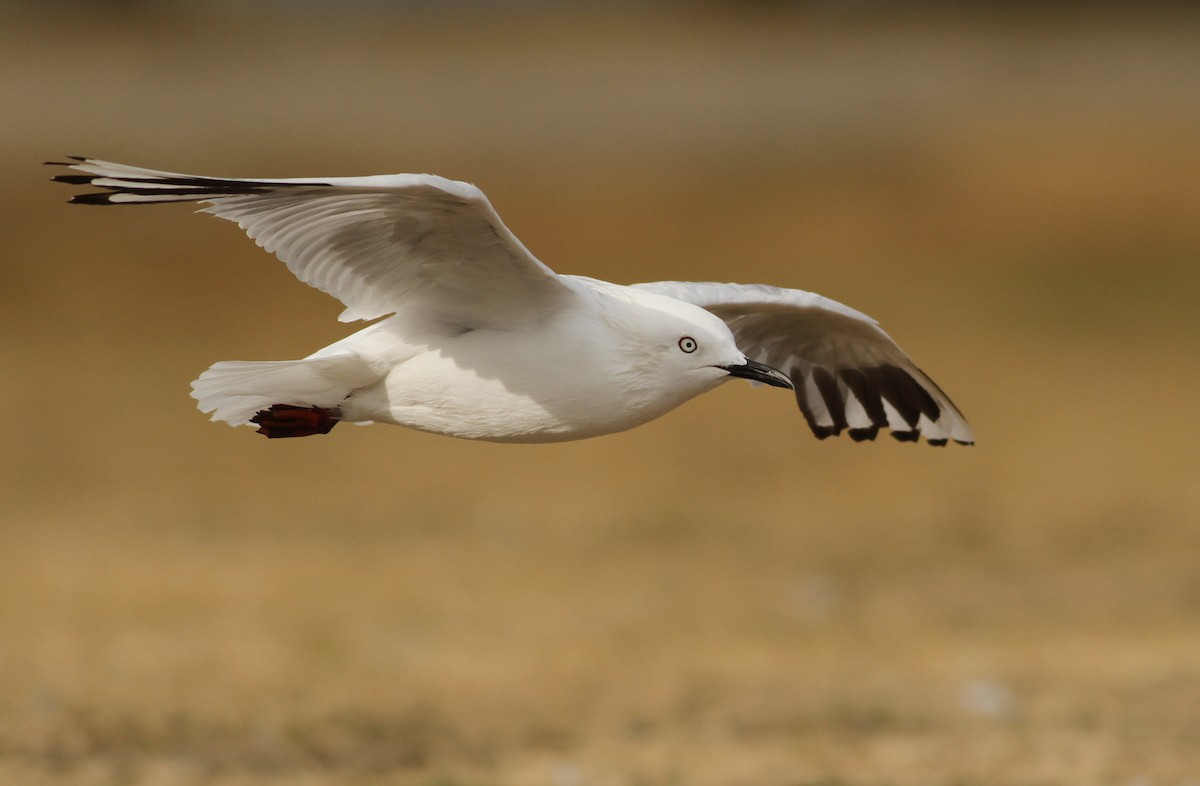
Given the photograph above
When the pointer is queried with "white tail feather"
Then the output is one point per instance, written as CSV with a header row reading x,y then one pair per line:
x,y
233,390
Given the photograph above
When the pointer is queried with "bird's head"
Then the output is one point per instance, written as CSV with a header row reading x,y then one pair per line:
x,y
689,349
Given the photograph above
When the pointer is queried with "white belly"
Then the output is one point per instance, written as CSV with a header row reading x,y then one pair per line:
x,y
430,393
434,392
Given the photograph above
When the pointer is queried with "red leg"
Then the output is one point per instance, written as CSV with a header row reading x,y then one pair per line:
x,y
285,420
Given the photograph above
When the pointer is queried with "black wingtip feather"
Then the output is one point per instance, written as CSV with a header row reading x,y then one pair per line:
x,y
864,434
75,180
166,187
92,199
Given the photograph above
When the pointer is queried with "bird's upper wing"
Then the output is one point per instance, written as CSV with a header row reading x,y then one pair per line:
x,y
849,374
379,244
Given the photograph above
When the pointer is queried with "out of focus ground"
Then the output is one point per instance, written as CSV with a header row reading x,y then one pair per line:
x,y
715,598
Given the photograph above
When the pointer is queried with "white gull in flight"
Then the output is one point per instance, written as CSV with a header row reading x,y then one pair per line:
x,y
483,341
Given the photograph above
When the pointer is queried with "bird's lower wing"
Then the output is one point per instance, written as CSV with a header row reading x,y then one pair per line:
x,y
379,244
849,375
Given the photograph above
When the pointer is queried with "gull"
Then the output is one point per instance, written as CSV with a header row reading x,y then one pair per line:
x,y
478,339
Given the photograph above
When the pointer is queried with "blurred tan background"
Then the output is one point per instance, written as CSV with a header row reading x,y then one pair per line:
x,y
715,598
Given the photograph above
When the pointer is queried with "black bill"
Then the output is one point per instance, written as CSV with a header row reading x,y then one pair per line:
x,y
759,372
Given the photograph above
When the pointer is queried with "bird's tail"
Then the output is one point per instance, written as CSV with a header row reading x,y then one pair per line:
x,y
234,390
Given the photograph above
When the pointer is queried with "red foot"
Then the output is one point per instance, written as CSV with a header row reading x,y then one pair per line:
x,y
285,420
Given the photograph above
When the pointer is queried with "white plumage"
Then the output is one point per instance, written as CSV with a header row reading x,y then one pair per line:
x,y
483,341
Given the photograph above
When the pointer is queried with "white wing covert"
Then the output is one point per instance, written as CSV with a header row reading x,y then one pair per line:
x,y
379,244
848,374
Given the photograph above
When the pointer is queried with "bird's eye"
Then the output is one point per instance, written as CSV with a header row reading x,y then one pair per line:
x,y
688,344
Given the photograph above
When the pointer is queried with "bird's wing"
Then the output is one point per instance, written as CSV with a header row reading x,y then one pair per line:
x,y
849,375
379,244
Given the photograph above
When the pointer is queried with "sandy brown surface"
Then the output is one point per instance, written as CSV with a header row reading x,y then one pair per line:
x,y
713,599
